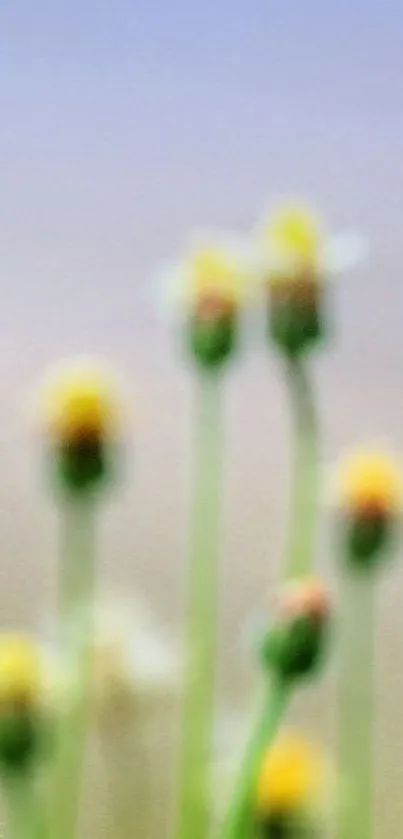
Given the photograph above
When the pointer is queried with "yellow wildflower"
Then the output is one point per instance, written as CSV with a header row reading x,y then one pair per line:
x,y
213,271
20,670
294,245
291,778
294,235
216,271
79,401
370,480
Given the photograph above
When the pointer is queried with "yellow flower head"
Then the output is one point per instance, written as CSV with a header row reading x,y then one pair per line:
x,y
293,237
216,272
370,480
78,399
291,777
20,671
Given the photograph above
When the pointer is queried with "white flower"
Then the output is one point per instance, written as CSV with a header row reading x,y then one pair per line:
x,y
133,660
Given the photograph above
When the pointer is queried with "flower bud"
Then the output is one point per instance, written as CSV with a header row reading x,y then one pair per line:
x,y
369,501
295,314
293,239
294,646
290,789
211,282
24,725
80,418
212,330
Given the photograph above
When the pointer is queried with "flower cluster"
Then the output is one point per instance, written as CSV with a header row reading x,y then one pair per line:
x,y
287,260
111,667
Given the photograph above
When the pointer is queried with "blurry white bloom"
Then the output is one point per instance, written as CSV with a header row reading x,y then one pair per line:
x,y
133,659
133,662
136,682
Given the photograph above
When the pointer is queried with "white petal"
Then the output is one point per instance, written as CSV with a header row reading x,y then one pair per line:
x,y
343,252
152,663
169,290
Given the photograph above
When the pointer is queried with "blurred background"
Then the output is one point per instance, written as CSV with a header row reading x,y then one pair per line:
x,y
124,127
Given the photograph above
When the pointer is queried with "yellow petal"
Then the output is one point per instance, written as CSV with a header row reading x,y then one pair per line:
x,y
20,669
291,777
293,234
370,477
78,396
214,270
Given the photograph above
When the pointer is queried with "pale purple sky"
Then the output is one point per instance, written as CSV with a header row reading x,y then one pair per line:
x,y
126,125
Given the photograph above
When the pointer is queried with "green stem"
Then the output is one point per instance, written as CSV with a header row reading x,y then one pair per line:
x,y
23,811
125,756
76,599
195,758
299,560
356,705
305,491
239,818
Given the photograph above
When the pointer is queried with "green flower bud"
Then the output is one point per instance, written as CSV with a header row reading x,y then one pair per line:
x,y
369,501
295,315
294,647
83,463
212,336
285,826
368,537
20,739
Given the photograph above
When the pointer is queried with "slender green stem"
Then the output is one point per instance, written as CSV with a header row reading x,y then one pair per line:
x,y
125,755
195,757
299,559
23,812
76,598
239,818
304,500
356,705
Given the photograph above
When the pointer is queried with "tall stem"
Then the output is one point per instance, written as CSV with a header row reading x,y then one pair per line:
x,y
195,759
356,705
305,489
299,559
76,600
238,820
23,806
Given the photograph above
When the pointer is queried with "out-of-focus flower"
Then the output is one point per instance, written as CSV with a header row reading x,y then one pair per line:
x,y
134,691
296,255
134,663
20,671
370,500
27,694
79,414
295,244
295,644
291,787
209,284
